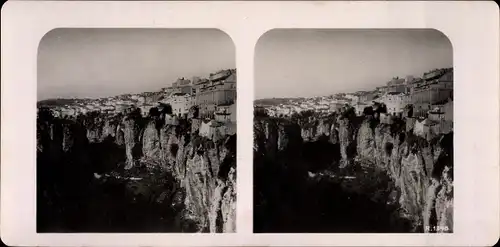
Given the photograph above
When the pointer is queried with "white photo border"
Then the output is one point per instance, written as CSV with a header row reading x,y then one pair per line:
x,y
472,27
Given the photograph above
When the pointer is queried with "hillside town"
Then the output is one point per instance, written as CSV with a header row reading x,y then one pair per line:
x,y
126,151
425,102
215,97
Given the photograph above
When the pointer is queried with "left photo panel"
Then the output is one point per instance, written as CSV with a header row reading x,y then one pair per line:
x,y
136,131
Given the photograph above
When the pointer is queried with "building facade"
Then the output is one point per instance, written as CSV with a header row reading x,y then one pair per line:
x,y
436,87
421,109
367,96
181,103
207,110
207,94
431,93
221,90
181,85
226,113
395,102
447,108
436,115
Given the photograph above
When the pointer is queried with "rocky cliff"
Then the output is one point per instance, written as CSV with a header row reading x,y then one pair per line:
x,y
313,129
202,170
410,176
421,169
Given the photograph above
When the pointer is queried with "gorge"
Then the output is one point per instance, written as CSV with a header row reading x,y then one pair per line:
x,y
129,173
350,174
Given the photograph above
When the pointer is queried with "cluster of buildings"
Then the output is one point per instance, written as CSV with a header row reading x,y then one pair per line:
x,y
110,105
429,97
215,97
433,88
425,103
324,104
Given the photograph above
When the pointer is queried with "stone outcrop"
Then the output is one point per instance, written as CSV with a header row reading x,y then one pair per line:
x,y
205,169
366,141
421,170
412,162
346,140
108,130
314,129
130,136
151,142
207,174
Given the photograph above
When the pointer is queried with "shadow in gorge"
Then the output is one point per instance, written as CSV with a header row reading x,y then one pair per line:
x,y
329,207
71,199
106,155
326,206
321,154
118,206
83,203
352,200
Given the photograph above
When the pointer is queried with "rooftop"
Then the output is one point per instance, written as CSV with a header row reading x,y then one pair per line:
x,y
396,93
222,75
180,94
226,104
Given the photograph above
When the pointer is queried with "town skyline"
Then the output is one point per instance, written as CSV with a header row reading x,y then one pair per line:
x,y
131,93
350,91
327,62
97,63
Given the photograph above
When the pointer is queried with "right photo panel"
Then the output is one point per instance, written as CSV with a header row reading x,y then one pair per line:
x,y
353,131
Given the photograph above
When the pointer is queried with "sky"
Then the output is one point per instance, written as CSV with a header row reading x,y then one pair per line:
x,y
95,63
307,62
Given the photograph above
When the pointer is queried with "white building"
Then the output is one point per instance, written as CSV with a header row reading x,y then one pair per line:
x,y
283,111
83,110
141,100
352,97
395,102
120,108
107,108
56,113
181,103
226,113
68,112
321,107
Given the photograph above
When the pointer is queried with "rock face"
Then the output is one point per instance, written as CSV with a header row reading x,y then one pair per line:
x,y
210,190
314,129
68,139
228,202
366,141
130,134
204,169
419,170
108,130
151,142
346,140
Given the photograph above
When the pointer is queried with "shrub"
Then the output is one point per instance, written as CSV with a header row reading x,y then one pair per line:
x,y
154,112
44,114
166,108
260,112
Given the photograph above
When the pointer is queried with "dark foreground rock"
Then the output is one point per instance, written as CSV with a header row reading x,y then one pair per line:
x,y
360,176
133,174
